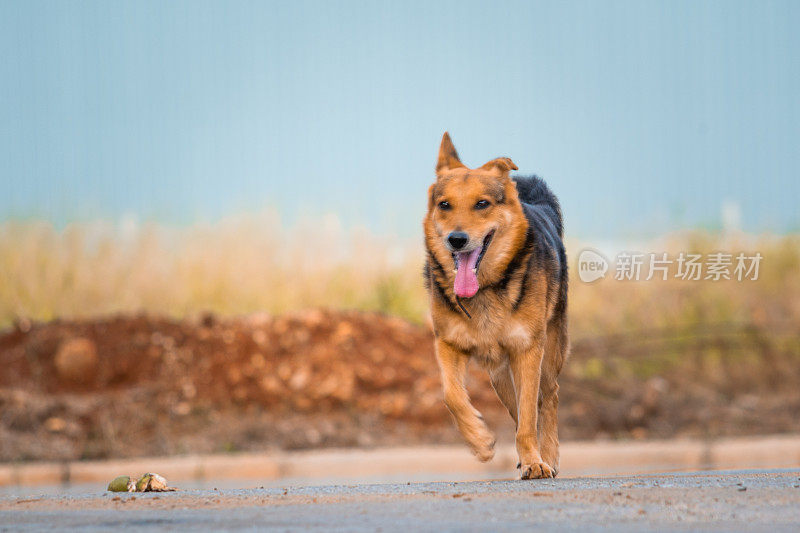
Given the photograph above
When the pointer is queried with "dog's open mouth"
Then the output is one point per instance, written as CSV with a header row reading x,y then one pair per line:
x,y
467,263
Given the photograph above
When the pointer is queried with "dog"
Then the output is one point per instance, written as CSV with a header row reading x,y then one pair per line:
x,y
496,275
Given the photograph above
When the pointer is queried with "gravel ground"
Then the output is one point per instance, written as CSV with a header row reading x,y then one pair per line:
x,y
718,501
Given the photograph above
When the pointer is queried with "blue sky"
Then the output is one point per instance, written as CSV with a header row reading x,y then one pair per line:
x,y
644,117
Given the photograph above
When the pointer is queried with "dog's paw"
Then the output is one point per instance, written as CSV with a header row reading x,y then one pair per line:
x,y
483,448
484,454
536,471
554,468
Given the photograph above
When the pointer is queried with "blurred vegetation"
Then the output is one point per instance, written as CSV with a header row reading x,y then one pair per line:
x,y
249,264
238,266
693,309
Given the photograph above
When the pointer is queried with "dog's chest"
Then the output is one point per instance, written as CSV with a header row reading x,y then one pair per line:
x,y
489,338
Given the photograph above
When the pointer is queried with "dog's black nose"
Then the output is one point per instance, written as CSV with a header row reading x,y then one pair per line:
x,y
457,239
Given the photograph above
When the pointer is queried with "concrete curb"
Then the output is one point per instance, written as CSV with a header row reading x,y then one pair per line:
x,y
577,459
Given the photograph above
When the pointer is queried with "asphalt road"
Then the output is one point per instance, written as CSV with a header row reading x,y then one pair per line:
x,y
718,501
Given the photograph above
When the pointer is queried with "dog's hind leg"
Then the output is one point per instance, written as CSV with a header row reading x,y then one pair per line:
x,y
503,385
453,365
555,352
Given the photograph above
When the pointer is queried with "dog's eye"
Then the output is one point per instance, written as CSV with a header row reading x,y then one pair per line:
x,y
444,205
482,204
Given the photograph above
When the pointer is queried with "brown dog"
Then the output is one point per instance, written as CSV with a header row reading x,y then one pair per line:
x,y
496,272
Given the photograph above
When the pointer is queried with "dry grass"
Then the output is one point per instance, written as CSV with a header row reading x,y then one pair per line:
x,y
249,264
239,266
772,301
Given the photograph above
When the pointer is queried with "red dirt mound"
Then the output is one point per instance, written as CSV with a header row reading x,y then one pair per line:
x,y
128,386
141,385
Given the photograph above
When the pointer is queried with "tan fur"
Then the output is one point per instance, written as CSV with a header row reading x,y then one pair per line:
x,y
523,349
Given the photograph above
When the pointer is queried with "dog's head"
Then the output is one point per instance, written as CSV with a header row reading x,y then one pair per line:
x,y
474,222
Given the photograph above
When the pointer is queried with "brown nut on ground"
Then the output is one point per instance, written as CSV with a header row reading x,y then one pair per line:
x,y
151,482
122,484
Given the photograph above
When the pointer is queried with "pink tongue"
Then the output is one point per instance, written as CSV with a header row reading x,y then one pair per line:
x,y
466,284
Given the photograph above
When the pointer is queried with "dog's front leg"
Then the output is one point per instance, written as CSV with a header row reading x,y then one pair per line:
x,y
526,367
453,367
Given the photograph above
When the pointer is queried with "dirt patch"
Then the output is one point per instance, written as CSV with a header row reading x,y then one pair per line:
x,y
137,386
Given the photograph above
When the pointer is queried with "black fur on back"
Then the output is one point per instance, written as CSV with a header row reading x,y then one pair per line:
x,y
546,233
534,191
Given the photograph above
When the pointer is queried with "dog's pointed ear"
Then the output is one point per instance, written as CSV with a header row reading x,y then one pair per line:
x,y
448,157
503,164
